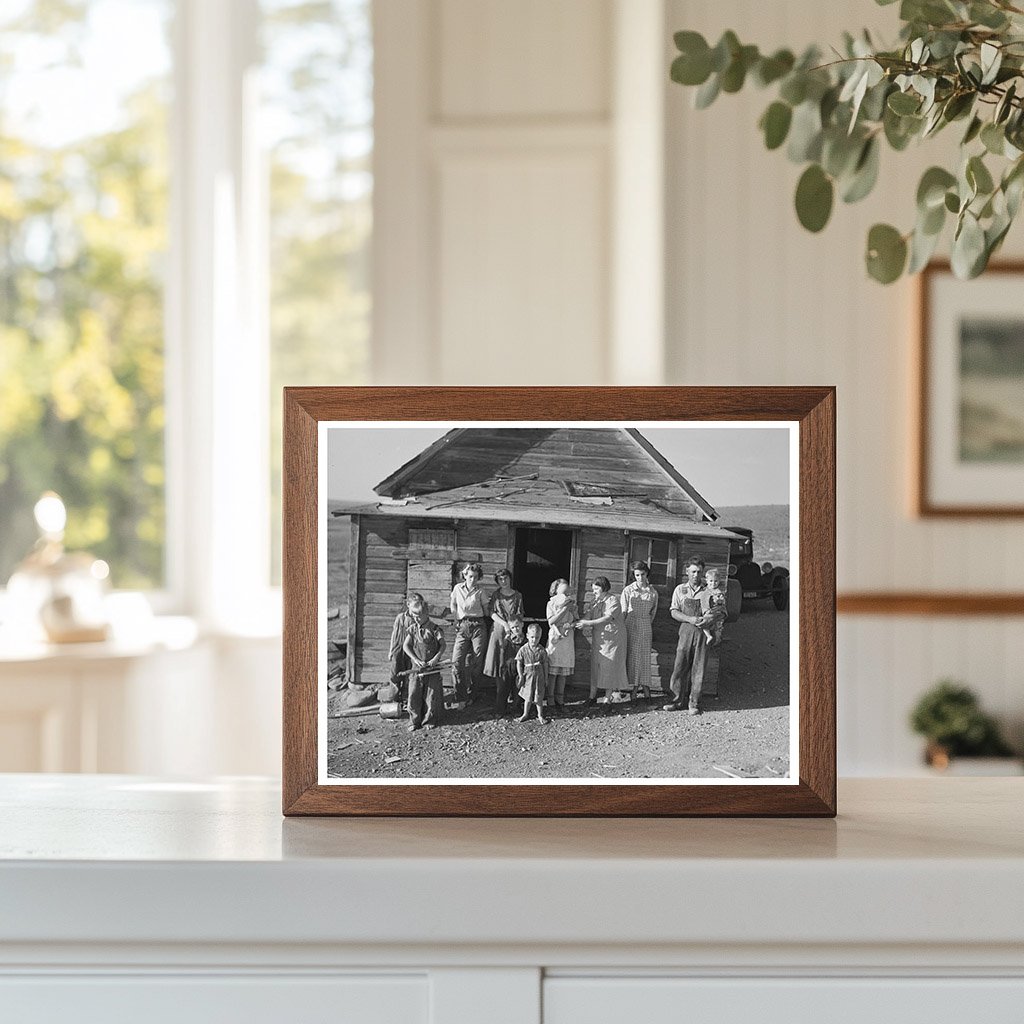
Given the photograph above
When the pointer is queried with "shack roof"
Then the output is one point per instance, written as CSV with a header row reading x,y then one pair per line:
x,y
533,500
556,469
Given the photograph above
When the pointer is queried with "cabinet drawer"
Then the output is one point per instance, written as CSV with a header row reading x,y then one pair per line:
x,y
202,999
660,1000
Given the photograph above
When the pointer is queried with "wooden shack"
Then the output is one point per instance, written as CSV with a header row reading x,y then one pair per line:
x,y
576,503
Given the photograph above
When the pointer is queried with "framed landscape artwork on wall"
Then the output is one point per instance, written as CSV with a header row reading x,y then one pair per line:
x,y
559,601
970,445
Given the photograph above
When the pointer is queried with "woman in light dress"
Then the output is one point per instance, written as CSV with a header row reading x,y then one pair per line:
x,y
608,646
639,605
505,607
561,614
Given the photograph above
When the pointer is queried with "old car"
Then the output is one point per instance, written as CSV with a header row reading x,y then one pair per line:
x,y
750,581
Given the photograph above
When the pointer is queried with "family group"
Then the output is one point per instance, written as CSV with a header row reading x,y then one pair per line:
x,y
495,639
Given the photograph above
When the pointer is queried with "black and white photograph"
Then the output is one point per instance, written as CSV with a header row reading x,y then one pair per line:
x,y
549,602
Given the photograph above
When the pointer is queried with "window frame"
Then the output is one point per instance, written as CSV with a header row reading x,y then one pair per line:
x,y
649,539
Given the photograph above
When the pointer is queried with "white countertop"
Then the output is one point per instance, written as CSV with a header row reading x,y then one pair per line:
x,y
122,859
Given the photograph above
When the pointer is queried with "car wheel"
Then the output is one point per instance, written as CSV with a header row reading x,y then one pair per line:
x,y
780,593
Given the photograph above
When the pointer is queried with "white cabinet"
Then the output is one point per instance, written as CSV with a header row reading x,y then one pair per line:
x,y
823,1000
204,999
127,898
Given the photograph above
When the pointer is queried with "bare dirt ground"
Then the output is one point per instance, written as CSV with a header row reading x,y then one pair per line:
x,y
744,732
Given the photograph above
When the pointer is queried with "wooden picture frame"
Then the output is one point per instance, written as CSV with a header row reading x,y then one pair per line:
x,y
955,473
808,413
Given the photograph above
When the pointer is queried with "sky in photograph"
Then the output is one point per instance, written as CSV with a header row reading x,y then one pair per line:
x,y
728,465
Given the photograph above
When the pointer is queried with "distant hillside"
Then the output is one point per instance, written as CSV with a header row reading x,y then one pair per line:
x,y
770,524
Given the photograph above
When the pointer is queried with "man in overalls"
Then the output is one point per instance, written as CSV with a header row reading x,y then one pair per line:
x,y
690,602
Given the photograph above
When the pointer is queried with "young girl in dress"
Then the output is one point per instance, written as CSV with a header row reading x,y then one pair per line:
x,y
532,668
561,613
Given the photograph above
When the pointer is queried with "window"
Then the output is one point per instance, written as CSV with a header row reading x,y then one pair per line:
x,y
317,122
657,553
185,220
83,237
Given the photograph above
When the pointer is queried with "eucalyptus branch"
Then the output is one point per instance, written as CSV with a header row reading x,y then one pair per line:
x,y
833,117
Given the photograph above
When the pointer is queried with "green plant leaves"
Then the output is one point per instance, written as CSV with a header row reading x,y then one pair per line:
x,y
978,176
805,133
904,103
775,122
957,60
887,253
993,138
814,195
771,69
969,253
931,191
693,65
865,173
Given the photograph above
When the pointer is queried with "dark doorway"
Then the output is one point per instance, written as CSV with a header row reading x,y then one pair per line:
x,y
541,556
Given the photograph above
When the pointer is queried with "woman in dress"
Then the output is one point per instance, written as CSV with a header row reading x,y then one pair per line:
x,y
608,646
561,614
639,604
506,605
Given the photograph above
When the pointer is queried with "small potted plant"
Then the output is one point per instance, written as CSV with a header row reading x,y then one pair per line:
x,y
950,717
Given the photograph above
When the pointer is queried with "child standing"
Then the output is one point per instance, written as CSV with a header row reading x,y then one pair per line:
x,y
561,614
424,645
712,622
506,663
532,670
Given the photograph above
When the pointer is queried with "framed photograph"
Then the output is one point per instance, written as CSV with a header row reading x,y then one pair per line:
x,y
970,445
559,601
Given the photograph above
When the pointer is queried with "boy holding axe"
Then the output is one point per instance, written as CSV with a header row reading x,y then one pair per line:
x,y
424,645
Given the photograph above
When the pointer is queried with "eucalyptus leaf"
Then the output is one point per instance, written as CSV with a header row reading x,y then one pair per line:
x,y
775,124
865,173
904,103
771,69
840,152
873,106
724,51
1005,105
968,247
958,105
886,253
931,190
735,74
814,195
973,130
900,130
932,220
805,133
991,60
978,176
794,88
952,202
708,92
689,71
993,138
922,248
987,15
